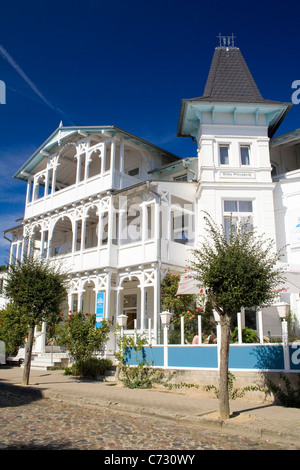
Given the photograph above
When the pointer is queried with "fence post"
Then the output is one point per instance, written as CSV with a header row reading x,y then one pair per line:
x,y
200,328
239,324
260,326
285,339
182,329
135,331
165,346
149,330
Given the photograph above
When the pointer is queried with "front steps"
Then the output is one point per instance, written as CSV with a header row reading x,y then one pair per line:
x,y
44,361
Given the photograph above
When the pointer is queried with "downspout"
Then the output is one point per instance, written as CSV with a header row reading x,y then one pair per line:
x,y
158,197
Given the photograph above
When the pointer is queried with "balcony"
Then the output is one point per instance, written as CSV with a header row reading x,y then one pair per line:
x,y
43,202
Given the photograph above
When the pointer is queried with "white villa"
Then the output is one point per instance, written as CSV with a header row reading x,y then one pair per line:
x,y
117,212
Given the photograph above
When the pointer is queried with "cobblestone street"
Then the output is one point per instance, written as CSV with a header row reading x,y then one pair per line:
x,y
52,425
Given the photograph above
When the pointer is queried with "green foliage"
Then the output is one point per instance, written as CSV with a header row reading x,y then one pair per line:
x,y
142,375
187,305
234,393
248,335
285,393
170,300
13,329
237,271
81,337
37,289
90,367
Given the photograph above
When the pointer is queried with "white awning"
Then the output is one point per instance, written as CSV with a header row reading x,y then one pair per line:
x,y
291,274
188,284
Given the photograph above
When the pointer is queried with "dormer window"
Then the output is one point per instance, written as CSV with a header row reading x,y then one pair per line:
x,y
224,155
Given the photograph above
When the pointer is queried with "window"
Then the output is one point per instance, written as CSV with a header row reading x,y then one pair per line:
x,y
245,155
181,177
224,154
182,219
237,212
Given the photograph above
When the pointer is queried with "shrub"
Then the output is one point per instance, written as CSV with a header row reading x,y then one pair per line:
x,y
248,335
142,375
90,367
13,329
80,335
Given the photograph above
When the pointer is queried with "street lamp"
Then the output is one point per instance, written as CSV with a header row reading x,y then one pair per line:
x,y
122,322
165,320
282,309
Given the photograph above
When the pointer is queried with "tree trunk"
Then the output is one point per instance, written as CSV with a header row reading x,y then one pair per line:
x,y
28,353
224,411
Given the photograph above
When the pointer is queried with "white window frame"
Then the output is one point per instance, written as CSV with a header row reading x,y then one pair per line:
x,y
228,154
249,154
237,216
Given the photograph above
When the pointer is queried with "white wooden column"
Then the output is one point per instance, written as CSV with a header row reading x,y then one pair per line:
x,y
70,301
144,221
122,156
112,161
29,195
42,243
78,168
46,183
53,179
142,289
83,231
74,241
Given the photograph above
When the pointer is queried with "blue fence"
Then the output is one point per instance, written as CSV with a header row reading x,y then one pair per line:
x,y
267,357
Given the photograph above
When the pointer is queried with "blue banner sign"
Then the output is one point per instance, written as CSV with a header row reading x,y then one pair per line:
x,y
100,308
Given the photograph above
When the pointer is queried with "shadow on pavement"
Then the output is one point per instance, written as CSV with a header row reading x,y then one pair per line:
x,y
15,395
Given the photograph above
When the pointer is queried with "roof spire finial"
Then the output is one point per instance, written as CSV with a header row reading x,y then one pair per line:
x,y
226,41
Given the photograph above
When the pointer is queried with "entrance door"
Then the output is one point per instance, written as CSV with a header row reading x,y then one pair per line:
x,y
130,309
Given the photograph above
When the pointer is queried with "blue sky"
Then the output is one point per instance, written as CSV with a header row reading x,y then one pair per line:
x,y
126,63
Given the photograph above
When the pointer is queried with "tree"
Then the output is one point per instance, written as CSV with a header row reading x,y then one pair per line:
x,y
237,271
80,335
13,329
37,289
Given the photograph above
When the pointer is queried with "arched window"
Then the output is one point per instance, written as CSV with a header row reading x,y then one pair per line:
x,y
62,236
67,167
92,224
95,163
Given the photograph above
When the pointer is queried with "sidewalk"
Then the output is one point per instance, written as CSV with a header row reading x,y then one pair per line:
x,y
252,420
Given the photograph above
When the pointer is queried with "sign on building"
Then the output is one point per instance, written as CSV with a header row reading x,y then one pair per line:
x,y
100,308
